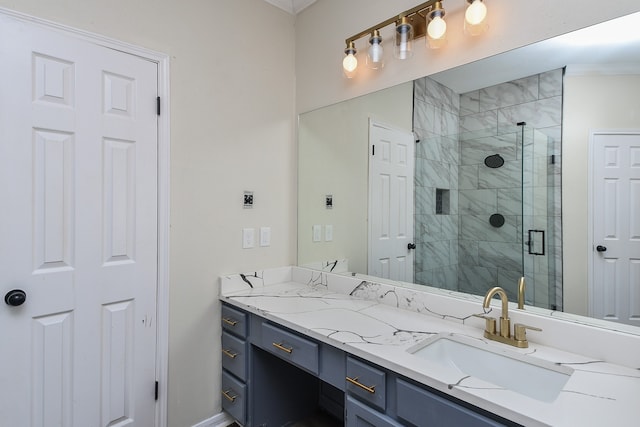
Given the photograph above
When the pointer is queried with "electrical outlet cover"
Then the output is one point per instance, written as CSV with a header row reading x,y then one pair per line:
x,y
265,236
317,233
248,238
328,233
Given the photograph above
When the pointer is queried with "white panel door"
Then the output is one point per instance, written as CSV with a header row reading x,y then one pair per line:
x,y
78,227
391,160
616,227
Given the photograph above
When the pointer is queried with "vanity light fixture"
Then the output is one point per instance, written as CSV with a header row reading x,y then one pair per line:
x,y
426,19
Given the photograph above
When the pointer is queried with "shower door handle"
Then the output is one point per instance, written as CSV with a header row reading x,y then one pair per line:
x,y
536,242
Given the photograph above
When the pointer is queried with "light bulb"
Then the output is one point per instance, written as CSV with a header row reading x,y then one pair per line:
x,y
475,22
404,36
349,64
476,13
437,28
374,55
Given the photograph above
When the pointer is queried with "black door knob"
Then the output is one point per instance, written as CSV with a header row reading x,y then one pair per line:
x,y
15,297
601,248
411,246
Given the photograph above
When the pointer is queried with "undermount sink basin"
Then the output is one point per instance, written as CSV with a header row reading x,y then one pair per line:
x,y
535,378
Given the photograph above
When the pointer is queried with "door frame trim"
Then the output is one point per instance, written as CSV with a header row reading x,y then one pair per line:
x,y
163,181
590,196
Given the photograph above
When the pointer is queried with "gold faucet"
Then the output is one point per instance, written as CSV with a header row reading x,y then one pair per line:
x,y
519,339
521,287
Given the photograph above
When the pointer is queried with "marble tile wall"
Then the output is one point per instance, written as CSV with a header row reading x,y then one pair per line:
x,y
488,126
436,124
461,250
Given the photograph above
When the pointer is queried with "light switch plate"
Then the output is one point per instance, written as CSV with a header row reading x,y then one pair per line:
x,y
265,236
328,233
248,238
317,233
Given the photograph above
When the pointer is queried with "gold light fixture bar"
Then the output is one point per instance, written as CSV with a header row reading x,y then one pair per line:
x,y
416,17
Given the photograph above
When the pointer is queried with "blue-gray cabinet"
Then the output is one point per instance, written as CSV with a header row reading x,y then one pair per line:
x,y
358,414
234,362
418,406
273,376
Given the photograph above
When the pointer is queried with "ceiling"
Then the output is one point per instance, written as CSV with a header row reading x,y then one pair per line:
x,y
291,6
612,47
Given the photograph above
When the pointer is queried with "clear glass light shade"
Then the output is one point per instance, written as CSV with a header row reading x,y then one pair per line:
x,y
475,21
375,53
349,65
437,32
404,40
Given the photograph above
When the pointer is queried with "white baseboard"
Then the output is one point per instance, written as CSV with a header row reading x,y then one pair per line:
x,y
219,420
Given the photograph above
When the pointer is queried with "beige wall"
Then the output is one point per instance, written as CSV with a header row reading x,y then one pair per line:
x,y
232,102
329,159
591,102
322,28
232,129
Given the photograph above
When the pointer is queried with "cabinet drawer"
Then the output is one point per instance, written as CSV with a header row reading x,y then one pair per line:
x,y
234,355
297,350
360,415
423,408
234,321
366,382
234,395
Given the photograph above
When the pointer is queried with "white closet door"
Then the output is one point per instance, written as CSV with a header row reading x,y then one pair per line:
x,y
78,184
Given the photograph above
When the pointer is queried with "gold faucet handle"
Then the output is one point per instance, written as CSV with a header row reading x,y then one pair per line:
x,y
490,323
520,331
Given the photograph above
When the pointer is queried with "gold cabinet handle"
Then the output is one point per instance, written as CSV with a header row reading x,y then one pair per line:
x,y
229,321
279,346
229,397
229,353
354,381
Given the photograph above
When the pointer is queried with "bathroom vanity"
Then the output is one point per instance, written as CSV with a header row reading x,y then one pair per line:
x,y
295,340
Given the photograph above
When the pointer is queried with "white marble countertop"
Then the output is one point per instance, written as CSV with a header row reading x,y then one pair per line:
x,y
365,321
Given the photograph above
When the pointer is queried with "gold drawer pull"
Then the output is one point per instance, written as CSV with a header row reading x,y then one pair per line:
x,y
229,321
228,396
283,348
354,381
229,353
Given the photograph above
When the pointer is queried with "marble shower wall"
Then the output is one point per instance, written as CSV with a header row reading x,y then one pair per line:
x,y
458,249
436,122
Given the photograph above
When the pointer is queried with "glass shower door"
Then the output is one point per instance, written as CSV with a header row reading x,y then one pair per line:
x,y
541,217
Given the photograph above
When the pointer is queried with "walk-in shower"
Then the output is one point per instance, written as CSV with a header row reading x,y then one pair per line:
x,y
495,153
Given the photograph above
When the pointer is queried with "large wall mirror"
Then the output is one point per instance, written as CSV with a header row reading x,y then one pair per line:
x,y
502,183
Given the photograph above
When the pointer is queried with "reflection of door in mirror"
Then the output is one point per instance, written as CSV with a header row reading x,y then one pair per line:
x,y
483,241
333,147
616,226
391,158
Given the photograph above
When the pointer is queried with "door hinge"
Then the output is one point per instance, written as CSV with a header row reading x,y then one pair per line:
x,y
373,150
158,105
156,390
